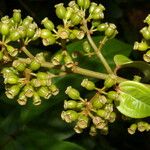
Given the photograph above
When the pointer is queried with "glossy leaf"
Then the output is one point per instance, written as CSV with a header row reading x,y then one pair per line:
x,y
134,99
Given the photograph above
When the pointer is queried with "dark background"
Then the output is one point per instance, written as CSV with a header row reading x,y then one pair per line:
x,y
128,15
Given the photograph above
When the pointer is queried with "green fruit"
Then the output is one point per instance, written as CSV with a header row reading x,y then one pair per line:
x,y
4,28
17,15
60,11
72,93
69,12
54,90
35,65
86,47
11,79
20,66
112,95
110,31
89,85
45,33
102,27
70,104
22,31
49,41
147,20
14,35
92,7
82,121
44,92
28,20
48,24
145,33
11,50
22,100
75,19
36,99
28,90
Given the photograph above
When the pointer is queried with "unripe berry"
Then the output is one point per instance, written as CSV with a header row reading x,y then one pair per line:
x,y
49,41
86,4
31,30
77,129
48,24
82,121
78,34
42,76
69,12
101,113
17,15
111,30
28,91
95,23
22,31
28,20
35,83
11,79
75,19
89,85
14,35
96,102
102,27
12,91
70,104
40,57
92,7
69,116
44,92
109,82
147,20
35,65
56,60
60,11
112,117
68,61
22,100
4,28
20,66
143,46
72,93
54,90
45,33
63,33
11,50
132,128
112,95
93,131
145,33
36,99
80,3
86,47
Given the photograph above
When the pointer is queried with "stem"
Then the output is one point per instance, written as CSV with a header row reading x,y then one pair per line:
x,y
24,49
86,72
98,50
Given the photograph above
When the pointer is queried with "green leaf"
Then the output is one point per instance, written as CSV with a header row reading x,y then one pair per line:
x,y
134,99
121,59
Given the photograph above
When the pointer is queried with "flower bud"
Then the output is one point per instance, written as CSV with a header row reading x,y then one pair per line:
x,y
132,128
22,100
60,11
89,85
20,66
17,15
72,93
70,104
48,24
36,99
44,92
143,46
145,33
35,65
28,91
12,91
69,116
147,20
54,90
82,121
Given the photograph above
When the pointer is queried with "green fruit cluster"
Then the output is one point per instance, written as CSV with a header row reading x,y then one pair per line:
x,y
96,113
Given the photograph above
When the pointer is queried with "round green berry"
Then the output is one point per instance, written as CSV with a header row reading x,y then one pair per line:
x,y
17,15
35,65
14,35
44,92
11,79
36,99
70,104
75,19
4,28
86,47
49,41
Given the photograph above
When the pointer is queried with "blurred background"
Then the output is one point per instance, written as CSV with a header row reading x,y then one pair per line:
x,y
21,129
